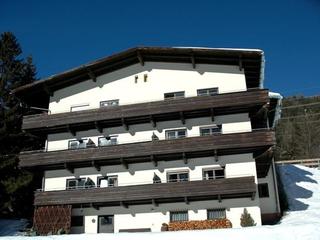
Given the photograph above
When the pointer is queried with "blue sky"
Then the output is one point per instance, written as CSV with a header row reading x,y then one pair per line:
x,y
65,34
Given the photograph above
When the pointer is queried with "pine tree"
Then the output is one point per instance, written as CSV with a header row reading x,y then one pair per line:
x,y
246,220
16,198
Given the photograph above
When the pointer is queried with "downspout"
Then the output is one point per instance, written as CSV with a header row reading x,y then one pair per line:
x,y
275,182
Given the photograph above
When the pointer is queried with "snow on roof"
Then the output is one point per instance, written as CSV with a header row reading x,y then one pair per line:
x,y
227,49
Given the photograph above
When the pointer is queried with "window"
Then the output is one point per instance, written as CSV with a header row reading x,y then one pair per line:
x,y
106,141
108,181
106,220
179,216
216,213
174,95
207,92
76,183
76,221
109,103
263,190
211,130
79,107
178,133
178,176
213,173
75,144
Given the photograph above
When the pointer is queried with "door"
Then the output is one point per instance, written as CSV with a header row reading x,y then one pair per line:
x,y
106,224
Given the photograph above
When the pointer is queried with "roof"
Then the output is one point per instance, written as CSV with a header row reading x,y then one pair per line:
x,y
251,60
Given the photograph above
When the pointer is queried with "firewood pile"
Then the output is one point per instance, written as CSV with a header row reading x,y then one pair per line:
x,y
201,224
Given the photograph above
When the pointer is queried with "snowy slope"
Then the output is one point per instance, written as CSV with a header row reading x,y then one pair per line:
x,y
301,222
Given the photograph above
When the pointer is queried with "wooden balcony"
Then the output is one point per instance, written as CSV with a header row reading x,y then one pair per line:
x,y
150,112
160,150
218,189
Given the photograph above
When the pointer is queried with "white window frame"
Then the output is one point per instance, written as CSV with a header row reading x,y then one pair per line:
x,y
176,133
113,137
206,177
82,106
99,178
174,95
109,101
84,141
210,127
178,218
221,211
208,91
178,172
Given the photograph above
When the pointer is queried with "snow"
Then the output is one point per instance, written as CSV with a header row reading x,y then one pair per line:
x,y
302,221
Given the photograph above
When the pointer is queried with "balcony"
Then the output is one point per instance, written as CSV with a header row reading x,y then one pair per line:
x,y
150,112
154,151
218,189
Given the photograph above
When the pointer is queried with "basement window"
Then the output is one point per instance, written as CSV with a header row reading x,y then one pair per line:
x,y
209,174
106,141
219,213
176,133
109,103
208,92
76,183
76,221
178,176
174,95
211,130
263,190
179,216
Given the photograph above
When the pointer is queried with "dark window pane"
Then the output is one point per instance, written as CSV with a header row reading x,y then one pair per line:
x,y
179,216
219,173
106,220
173,177
184,176
204,131
109,103
76,221
216,214
263,190
71,184
174,95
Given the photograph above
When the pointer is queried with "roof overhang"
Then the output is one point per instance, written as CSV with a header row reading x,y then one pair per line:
x,y
249,60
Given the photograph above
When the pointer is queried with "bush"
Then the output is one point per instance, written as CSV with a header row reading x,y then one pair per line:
x,y
246,220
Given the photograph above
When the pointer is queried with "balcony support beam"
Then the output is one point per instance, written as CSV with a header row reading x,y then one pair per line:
x,y
98,126
154,203
122,204
124,163
96,165
72,131
92,75
253,196
153,122
219,198
212,114
140,58
69,168
193,61
182,118
186,200
184,158
216,158
94,206
124,124
154,160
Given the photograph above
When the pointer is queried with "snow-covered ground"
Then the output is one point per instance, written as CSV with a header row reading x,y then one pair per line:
x,y
302,221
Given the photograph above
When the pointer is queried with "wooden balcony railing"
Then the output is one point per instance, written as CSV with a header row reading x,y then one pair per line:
x,y
150,112
151,193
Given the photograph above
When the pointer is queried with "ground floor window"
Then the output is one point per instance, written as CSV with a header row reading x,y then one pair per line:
x,y
77,221
263,190
179,216
216,213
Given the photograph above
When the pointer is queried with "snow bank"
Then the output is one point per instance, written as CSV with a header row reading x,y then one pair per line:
x,y
302,186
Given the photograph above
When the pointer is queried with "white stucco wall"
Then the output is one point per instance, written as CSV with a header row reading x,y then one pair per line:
x,y
149,216
161,78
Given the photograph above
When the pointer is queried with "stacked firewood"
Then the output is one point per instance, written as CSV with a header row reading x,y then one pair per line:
x,y
201,224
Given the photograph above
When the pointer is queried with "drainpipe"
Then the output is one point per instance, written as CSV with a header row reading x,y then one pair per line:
x,y
262,68
275,182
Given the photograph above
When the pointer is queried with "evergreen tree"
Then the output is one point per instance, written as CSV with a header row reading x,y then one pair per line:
x,y
246,220
16,199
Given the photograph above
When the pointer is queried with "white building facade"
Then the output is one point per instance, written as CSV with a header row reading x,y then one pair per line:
x,y
124,144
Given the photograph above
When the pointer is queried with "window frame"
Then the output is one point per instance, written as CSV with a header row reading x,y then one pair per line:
x,y
216,126
78,140
79,106
109,101
186,212
216,91
77,180
174,95
261,190
176,133
99,178
214,175
178,172
111,137
216,209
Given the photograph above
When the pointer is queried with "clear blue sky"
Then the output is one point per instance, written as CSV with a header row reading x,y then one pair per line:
x,y
61,34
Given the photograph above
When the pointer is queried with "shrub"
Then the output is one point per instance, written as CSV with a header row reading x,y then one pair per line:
x,y
246,220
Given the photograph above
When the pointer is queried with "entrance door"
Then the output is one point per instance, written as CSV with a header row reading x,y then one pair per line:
x,y
106,224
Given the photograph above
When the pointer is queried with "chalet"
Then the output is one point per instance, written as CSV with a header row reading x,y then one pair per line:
x,y
154,135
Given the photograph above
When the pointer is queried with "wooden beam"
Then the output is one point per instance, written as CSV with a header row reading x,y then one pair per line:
x,y
154,203
96,165
122,204
153,160
140,58
219,198
184,157
124,124
193,61
98,126
92,75
72,131
240,63
94,206
124,163
216,158
253,196
70,169
183,120
153,122
186,200
47,90
212,114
